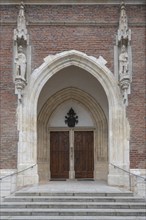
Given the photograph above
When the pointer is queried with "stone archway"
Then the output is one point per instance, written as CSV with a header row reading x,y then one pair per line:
x,y
118,127
100,131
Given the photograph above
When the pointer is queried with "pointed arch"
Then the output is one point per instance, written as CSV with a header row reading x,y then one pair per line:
x,y
101,140
118,127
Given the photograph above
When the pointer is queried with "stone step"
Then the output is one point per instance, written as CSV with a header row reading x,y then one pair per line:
x,y
73,205
102,194
78,206
72,199
73,212
73,218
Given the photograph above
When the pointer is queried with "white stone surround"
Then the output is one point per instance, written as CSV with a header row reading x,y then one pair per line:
x,y
118,126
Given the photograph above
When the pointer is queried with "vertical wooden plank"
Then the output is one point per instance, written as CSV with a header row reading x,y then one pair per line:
x,y
59,154
84,154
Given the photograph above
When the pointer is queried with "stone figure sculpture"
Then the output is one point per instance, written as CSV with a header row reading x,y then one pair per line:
x,y
21,64
123,61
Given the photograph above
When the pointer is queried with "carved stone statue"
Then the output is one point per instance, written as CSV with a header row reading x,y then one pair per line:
x,y
21,64
123,61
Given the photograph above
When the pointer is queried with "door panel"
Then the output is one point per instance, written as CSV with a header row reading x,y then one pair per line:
x,y
84,154
59,154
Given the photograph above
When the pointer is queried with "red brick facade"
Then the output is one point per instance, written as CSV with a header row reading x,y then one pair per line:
x,y
86,28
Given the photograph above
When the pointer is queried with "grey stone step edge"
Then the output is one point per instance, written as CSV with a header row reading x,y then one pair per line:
x,y
73,212
73,218
122,194
70,199
96,205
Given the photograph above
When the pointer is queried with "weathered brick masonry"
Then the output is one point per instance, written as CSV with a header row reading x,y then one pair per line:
x,y
90,29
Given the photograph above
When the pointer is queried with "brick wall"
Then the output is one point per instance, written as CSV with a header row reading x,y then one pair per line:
x,y
94,40
8,102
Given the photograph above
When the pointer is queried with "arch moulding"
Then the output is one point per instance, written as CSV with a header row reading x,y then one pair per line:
x,y
118,126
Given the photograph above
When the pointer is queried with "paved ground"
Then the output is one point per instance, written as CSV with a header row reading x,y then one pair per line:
x,y
73,186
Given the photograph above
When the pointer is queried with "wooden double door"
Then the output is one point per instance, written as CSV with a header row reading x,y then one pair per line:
x,y
64,149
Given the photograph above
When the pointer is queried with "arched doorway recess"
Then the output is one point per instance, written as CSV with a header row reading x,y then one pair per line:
x,y
118,127
99,129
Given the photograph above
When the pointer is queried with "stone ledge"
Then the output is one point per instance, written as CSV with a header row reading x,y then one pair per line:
x,y
71,2
71,23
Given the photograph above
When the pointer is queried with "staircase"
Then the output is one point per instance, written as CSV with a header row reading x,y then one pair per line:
x,y
77,206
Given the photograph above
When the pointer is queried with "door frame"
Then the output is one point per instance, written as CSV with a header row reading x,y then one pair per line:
x,y
71,147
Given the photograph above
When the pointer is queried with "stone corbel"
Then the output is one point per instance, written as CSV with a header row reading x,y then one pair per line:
x,y
20,85
124,85
123,56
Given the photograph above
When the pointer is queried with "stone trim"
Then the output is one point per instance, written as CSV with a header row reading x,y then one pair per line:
x,y
71,2
73,23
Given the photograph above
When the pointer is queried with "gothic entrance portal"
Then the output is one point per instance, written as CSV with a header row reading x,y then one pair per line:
x,y
69,148
87,85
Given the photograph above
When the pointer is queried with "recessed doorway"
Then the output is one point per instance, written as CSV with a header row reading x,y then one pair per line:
x,y
88,118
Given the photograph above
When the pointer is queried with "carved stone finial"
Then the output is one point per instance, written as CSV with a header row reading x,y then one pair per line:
x,y
123,26
21,31
124,34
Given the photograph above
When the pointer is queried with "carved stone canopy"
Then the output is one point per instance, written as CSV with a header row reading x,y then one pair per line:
x,y
71,119
124,33
21,31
